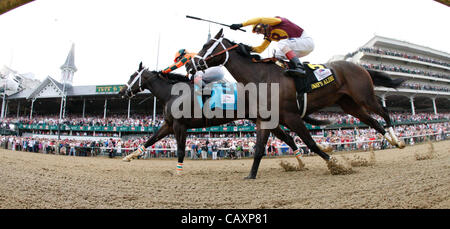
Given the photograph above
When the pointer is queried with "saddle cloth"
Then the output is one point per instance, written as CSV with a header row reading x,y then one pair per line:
x,y
223,96
317,76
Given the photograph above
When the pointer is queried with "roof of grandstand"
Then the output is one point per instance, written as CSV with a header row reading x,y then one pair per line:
x,y
50,88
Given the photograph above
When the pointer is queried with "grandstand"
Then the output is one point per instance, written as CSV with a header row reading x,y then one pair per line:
x,y
427,72
95,113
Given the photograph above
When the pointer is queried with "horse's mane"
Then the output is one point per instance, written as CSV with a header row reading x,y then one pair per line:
x,y
173,78
245,50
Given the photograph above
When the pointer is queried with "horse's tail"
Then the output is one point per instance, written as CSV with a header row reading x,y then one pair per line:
x,y
383,79
316,122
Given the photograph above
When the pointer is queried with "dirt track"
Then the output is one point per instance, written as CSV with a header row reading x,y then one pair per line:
x,y
396,180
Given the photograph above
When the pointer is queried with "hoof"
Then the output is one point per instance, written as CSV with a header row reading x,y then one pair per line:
x,y
401,145
326,148
249,178
125,159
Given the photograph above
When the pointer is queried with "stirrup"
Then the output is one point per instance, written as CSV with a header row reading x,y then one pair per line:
x,y
295,73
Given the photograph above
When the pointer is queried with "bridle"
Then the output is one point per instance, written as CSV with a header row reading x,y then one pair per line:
x,y
201,66
138,77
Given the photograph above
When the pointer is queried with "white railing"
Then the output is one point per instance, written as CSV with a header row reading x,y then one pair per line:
x,y
224,152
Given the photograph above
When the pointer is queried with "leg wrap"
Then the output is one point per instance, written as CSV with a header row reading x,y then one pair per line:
x,y
179,167
138,152
298,153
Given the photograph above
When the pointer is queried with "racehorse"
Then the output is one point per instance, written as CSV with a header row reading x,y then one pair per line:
x,y
161,86
353,90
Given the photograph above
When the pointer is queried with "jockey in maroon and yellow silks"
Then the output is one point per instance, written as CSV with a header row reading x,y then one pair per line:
x,y
293,42
279,28
181,58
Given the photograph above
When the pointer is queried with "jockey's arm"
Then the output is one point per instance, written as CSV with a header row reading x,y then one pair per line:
x,y
262,47
264,20
177,65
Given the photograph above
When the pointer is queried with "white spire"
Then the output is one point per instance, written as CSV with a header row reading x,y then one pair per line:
x,y
68,68
209,33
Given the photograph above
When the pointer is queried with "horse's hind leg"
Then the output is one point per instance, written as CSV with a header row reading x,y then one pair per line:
x,y
378,109
375,106
351,107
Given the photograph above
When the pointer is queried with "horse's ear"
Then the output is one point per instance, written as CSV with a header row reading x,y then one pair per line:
x,y
140,66
219,34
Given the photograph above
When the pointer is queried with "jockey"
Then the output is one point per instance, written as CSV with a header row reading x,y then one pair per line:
x,y
211,74
181,58
293,42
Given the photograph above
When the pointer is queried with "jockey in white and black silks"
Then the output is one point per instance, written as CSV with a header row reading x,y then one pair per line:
x,y
293,41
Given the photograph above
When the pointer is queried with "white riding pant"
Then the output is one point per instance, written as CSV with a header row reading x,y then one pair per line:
x,y
211,74
302,46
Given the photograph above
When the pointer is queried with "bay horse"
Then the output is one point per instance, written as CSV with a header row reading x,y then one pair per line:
x,y
353,90
160,85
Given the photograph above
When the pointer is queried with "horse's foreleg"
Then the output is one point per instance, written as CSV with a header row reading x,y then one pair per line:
x,y
160,134
283,136
295,123
262,136
292,121
180,137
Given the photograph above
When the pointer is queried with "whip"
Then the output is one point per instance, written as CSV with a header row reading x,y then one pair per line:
x,y
200,19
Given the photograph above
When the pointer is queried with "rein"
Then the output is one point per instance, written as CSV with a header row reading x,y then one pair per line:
x,y
208,55
221,52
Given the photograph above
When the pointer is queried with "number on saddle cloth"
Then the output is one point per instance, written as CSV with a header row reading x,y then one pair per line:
x,y
318,76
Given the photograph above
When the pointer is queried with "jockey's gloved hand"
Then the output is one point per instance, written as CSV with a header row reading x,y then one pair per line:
x,y
192,71
235,26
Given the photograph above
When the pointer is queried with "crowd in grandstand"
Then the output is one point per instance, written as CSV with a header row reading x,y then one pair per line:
x,y
341,118
77,120
417,86
396,68
143,120
403,55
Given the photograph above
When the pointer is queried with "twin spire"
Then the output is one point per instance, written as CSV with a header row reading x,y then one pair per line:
x,y
68,68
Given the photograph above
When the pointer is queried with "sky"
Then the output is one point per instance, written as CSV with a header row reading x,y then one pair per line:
x,y
111,37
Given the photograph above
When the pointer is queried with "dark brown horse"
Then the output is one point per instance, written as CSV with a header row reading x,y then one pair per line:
x,y
353,90
161,86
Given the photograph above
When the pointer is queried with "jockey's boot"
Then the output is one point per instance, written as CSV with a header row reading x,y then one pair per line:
x,y
296,68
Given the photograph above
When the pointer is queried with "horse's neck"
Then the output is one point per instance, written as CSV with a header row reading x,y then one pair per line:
x,y
241,70
160,89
